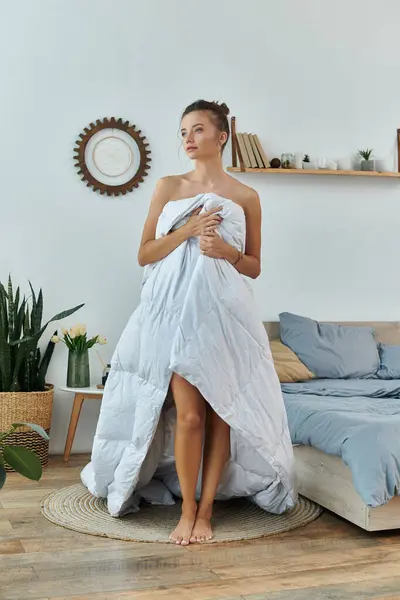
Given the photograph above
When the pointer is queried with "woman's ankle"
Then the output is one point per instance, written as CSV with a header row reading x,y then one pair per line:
x,y
189,508
204,510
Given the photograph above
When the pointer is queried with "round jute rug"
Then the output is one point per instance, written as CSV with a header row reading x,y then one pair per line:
x,y
75,508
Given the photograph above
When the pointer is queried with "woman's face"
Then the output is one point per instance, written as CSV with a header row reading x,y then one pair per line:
x,y
200,138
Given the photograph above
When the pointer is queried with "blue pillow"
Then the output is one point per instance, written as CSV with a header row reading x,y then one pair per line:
x,y
331,351
390,362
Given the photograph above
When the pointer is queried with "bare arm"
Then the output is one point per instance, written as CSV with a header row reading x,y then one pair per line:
x,y
152,250
250,265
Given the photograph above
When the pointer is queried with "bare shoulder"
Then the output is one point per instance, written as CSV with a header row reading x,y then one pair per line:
x,y
246,196
175,186
166,189
167,183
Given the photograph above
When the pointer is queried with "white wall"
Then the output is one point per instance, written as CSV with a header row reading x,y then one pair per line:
x,y
313,76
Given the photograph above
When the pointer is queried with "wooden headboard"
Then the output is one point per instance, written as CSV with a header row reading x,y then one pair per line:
x,y
387,332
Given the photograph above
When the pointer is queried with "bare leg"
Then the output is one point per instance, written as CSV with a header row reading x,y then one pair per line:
x,y
191,416
216,454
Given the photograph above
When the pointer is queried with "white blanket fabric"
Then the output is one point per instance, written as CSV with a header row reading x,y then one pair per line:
x,y
196,318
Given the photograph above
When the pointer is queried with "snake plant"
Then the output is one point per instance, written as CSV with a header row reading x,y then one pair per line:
x,y
22,367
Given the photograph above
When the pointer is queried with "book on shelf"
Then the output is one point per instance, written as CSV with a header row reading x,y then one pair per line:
x,y
248,149
259,160
250,152
243,151
261,152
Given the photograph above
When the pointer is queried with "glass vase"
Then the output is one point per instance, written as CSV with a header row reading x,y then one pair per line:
x,y
78,374
288,160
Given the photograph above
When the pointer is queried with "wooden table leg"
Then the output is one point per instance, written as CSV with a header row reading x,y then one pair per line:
x,y
76,411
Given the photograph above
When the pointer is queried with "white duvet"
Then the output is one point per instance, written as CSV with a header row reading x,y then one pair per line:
x,y
197,318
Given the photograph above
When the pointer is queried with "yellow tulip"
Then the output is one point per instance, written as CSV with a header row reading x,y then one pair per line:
x,y
78,329
72,333
101,340
55,339
64,331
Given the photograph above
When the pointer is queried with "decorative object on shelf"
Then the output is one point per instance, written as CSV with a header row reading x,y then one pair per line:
x,y
306,161
275,163
298,160
24,394
331,164
18,458
366,164
78,344
112,156
287,160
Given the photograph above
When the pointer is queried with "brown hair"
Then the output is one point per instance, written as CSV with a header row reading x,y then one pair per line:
x,y
219,114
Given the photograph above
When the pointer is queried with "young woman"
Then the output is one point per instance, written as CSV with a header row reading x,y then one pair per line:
x,y
202,234
205,133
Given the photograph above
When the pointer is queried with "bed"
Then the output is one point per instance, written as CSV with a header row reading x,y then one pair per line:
x,y
323,476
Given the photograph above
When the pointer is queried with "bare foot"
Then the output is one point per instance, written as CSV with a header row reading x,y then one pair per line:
x,y
181,535
202,530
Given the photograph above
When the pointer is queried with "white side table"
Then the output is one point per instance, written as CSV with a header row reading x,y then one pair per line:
x,y
81,394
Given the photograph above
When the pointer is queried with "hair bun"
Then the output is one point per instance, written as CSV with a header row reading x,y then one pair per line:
x,y
223,108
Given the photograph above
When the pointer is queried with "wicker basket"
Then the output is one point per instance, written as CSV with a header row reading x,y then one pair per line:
x,y
30,407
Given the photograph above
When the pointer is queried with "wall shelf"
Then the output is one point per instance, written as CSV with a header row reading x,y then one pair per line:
x,y
241,146
315,172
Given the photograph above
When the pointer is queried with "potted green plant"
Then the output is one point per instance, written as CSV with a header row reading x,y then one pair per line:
x,y
18,458
306,161
24,392
78,344
366,163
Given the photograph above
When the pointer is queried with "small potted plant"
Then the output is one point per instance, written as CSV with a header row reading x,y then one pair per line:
x,y
78,344
366,163
306,161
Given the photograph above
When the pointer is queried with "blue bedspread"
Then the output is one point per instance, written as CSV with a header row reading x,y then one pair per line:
x,y
356,419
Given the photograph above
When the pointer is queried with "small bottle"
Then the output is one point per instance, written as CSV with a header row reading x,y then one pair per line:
x,y
106,371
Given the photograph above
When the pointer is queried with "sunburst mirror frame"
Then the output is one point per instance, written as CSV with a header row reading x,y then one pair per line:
x,y
121,144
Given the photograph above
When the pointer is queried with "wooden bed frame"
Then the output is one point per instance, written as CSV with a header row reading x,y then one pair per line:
x,y
325,478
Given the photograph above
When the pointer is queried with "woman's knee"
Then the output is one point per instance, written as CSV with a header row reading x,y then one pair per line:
x,y
192,419
190,405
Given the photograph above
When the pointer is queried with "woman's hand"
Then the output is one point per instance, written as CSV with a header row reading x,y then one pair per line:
x,y
199,224
213,246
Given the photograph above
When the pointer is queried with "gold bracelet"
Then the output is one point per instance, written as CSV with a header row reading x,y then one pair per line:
x,y
239,257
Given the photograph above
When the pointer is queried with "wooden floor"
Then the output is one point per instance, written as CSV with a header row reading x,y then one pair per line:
x,y
328,559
